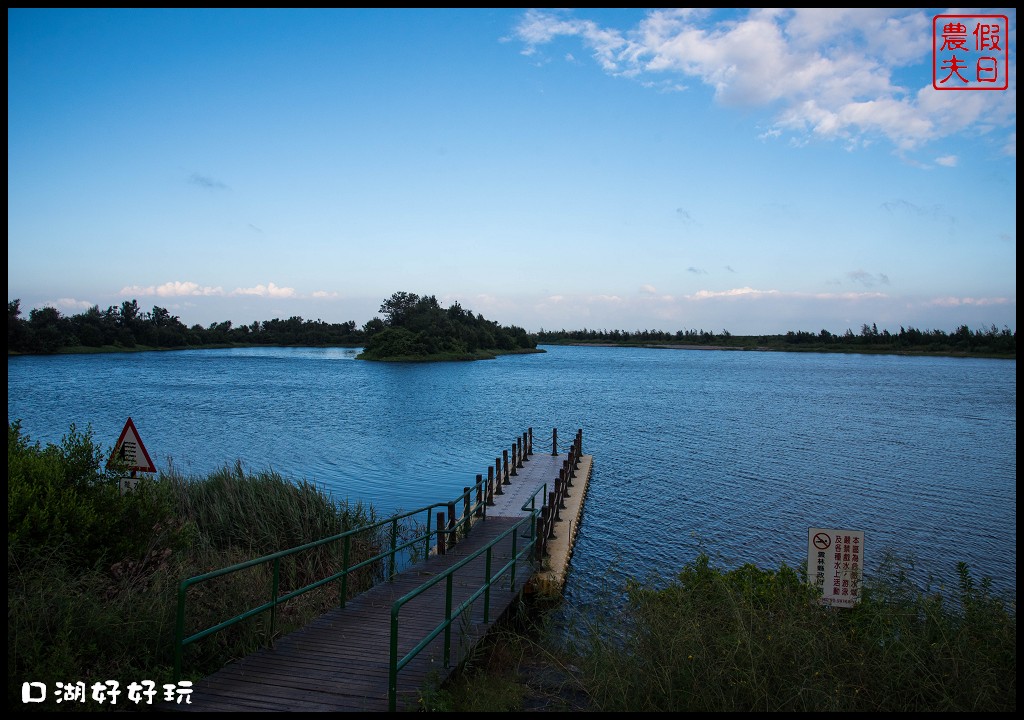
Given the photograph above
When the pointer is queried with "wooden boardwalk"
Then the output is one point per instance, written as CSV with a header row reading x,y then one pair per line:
x,y
340,661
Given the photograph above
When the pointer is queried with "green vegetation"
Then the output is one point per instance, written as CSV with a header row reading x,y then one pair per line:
x,y
748,639
413,328
93,574
418,328
92,579
988,342
128,327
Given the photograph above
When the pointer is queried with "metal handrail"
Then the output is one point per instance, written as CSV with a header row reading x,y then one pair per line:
x,y
471,510
276,599
395,664
451,614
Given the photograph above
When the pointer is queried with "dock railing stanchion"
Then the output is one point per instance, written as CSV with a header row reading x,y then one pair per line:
x,y
554,441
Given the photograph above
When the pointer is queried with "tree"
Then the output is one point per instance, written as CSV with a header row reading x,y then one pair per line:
x,y
397,307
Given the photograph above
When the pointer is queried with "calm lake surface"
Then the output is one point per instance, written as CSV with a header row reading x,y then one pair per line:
x,y
733,453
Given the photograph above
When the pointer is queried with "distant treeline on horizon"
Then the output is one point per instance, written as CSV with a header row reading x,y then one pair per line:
x,y
990,341
46,331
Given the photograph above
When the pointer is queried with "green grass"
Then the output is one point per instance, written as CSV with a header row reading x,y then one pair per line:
x,y
93,575
753,640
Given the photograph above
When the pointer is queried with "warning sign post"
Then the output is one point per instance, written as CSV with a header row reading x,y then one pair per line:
x,y
130,454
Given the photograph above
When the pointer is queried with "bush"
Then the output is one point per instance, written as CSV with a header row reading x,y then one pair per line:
x,y
756,640
59,498
93,576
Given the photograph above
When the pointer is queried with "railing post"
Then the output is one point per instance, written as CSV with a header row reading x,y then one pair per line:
x,y
504,455
514,461
273,610
393,664
452,536
538,548
490,486
426,550
440,534
522,446
481,506
554,441
394,545
497,477
529,441
515,561
448,622
487,583
344,562
465,511
553,503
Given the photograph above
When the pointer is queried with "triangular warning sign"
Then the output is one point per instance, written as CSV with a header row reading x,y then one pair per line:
x,y
130,451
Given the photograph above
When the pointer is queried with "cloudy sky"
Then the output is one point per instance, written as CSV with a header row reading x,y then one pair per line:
x,y
755,171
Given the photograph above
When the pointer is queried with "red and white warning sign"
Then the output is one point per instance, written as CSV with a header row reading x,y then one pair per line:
x,y
130,453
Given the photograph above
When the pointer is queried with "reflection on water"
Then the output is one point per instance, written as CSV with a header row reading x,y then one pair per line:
x,y
736,453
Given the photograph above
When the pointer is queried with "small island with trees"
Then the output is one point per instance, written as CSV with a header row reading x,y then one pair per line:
x,y
417,328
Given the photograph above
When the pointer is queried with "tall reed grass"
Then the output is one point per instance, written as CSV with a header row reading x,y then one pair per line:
x,y
754,640
749,639
93,575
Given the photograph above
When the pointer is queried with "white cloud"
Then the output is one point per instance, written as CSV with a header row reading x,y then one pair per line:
x,y
735,292
324,294
950,301
823,72
268,290
172,289
69,304
946,160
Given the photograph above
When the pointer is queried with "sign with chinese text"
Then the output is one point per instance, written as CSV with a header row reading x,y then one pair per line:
x,y
835,563
970,52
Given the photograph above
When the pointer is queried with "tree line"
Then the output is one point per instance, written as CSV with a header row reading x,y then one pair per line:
x,y
982,341
127,325
411,326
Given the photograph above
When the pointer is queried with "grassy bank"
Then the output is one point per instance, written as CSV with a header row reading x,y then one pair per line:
x,y
747,639
93,575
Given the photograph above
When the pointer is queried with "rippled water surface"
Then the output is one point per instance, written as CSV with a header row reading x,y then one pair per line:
x,y
737,453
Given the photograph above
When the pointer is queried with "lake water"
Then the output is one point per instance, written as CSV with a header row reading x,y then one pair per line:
x,y
733,453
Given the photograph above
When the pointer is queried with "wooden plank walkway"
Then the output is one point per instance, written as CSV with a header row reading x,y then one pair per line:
x,y
340,661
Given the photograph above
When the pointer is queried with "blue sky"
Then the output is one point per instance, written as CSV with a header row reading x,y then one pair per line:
x,y
747,170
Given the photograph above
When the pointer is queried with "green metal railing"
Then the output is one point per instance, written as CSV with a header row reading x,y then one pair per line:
x,y
392,555
403,547
484,589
